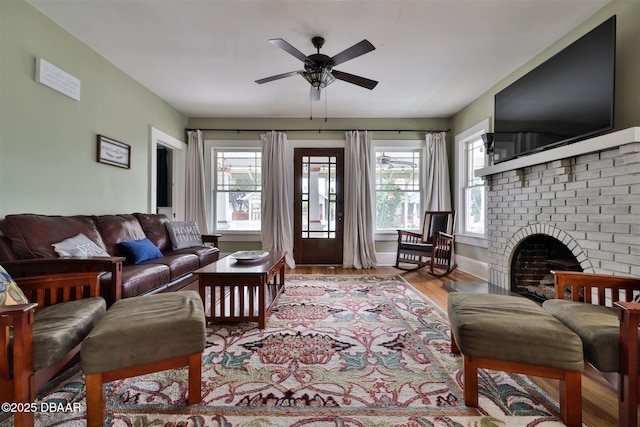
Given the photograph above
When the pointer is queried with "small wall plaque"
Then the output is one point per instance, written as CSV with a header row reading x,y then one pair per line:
x,y
57,79
115,153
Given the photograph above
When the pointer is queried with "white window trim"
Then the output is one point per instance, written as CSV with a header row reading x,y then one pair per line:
x,y
226,145
474,132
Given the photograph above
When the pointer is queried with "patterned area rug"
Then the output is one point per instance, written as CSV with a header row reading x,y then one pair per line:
x,y
337,351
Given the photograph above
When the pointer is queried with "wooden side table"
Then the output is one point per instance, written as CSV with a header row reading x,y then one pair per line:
x,y
234,291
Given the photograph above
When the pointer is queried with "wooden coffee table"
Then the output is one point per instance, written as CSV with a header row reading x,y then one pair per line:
x,y
234,291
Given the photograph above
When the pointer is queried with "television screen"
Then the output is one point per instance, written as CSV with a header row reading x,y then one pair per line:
x,y
567,98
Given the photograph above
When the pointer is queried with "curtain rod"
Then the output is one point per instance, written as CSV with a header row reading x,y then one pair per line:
x,y
319,130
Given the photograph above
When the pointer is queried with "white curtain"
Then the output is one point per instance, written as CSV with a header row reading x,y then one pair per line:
x,y
195,209
359,195
277,223
438,189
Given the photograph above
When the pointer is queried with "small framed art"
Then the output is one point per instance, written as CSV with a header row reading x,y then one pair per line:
x,y
114,153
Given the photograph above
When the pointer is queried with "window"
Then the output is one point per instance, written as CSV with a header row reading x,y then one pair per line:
x,y
238,190
474,188
398,191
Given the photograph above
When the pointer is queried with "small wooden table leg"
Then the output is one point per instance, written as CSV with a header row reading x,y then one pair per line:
x,y
470,376
202,290
281,278
262,304
23,419
571,399
195,381
454,346
95,400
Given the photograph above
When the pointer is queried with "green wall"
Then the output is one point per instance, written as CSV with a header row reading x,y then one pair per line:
x,y
627,106
627,95
48,140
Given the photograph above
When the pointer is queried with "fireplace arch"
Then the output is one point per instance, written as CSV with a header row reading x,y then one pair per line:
x,y
503,275
549,230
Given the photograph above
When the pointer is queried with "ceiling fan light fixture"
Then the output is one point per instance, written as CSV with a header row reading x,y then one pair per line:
x,y
319,78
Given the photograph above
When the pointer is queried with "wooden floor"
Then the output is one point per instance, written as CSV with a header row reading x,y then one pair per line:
x,y
600,404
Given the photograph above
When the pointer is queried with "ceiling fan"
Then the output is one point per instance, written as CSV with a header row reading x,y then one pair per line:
x,y
318,68
390,162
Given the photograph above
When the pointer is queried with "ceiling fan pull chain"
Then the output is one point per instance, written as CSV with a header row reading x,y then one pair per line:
x,y
325,104
310,109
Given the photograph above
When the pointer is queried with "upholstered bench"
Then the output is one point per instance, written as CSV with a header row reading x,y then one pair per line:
x,y
514,334
141,335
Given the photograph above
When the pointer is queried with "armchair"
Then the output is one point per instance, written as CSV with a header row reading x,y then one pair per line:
x,y
629,381
601,312
432,247
35,344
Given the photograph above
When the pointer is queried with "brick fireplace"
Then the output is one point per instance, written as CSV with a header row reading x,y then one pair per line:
x,y
589,203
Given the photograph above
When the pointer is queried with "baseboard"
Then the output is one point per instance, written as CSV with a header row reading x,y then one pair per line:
x,y
468,265
473,266
386,258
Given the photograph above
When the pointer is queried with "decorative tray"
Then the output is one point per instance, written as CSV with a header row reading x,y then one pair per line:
x,y
247,256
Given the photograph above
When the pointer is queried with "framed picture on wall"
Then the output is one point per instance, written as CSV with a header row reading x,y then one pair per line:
x,y
114,153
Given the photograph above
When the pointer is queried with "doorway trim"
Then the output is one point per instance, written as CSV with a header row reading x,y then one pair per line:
x,y
179,152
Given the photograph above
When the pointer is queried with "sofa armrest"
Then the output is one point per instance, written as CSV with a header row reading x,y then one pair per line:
x,y
607,288
211,238
47,266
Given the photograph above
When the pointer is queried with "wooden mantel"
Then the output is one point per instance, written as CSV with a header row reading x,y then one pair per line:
x,y
598,143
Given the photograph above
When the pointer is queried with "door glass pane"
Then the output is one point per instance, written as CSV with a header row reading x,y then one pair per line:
x,y
318,197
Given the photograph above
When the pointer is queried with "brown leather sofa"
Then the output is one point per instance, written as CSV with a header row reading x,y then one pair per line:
x,y
26,250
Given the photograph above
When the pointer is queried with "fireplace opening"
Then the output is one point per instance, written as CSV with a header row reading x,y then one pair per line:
x,y
532,262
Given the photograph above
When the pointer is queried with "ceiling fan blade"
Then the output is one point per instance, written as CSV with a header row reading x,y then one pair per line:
x,y
356,80
277,77
282,44
353,52
314,93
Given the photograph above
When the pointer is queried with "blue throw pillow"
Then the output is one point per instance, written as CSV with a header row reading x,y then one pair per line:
x,y
137,251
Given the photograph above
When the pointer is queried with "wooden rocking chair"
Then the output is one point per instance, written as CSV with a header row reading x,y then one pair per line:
x,y
433,247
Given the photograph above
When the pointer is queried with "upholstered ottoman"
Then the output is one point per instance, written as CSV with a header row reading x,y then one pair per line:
x,y
514,334
140,335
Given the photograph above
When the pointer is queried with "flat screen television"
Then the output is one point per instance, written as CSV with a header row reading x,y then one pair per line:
x,y
567,98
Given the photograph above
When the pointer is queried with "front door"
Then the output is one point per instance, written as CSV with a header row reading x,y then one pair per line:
x,y
318,205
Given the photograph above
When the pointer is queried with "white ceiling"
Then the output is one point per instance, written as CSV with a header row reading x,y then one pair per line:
x,y
432,57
